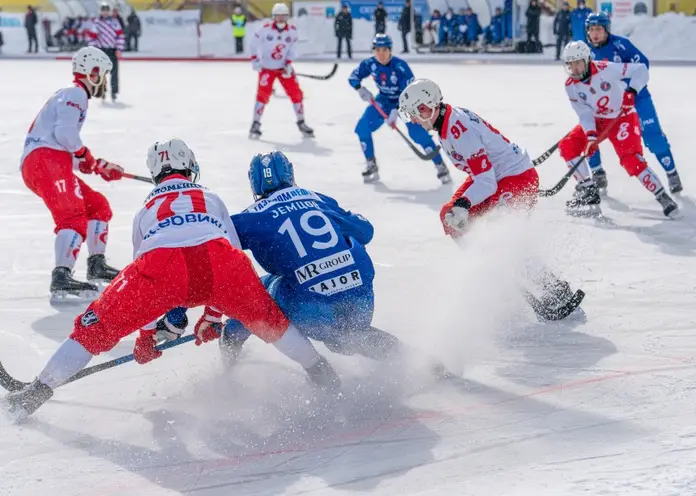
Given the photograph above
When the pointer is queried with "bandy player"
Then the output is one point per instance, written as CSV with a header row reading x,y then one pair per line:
x,y
500,172
51,147
606,109
187,254
272,52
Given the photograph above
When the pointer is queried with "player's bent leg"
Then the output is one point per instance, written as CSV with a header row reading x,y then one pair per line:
x,y
98,214
264,89
370,121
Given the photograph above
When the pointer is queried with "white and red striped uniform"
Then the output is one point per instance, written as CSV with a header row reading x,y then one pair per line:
x,y
107,33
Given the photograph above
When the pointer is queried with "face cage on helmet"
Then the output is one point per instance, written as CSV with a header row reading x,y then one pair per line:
x,y
566,64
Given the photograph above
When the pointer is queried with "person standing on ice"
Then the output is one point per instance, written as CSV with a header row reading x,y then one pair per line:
x,y
187,253
606,110
392,75
500,174
610,47
51,147
272,52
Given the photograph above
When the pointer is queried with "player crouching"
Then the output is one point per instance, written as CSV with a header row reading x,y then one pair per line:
x,y
500,173
596,92
187,254
272,53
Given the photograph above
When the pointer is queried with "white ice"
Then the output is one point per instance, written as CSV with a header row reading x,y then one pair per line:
x,y
596,406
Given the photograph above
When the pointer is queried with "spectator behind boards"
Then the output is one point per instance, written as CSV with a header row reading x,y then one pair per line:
x,y
239,21
577,21
343,26
561,28
405,24
380,19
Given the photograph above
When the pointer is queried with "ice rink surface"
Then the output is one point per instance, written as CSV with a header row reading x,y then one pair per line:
x,y
600,404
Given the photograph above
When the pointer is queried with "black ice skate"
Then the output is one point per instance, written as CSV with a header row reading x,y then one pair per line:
x,y
669,206
323,375
230,348
306,131
99,271
586,202
443,174
26,401
255,131
674,182
64,288
557,302
371,172
599,177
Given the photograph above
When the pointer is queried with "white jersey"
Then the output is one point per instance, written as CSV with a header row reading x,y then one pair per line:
x,y
601,96
274,47
59,122
179,213
479,149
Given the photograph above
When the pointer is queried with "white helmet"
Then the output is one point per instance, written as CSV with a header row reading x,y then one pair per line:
x,y
574,51
419,92
89,62
280,9
169,156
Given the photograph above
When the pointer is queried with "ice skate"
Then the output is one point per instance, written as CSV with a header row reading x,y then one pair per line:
x,y
557,302
674,182
669,206
99,271
66,289
26,401
443,174
323,375
255,131
586,202
599,177
306,131
371,172
230,348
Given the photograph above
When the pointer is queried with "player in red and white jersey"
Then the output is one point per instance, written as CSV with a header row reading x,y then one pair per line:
x,y
606,109
51,147
272,52
500,172
188,254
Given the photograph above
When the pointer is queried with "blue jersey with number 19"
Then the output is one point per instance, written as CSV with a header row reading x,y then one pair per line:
x,y
309,241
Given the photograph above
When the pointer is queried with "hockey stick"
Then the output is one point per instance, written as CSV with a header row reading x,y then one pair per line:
x,y
320,78
560,184
423,156
138,178
541,158
11,384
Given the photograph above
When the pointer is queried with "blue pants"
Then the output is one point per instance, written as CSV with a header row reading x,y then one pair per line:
x,y
653,137
371,121
325,319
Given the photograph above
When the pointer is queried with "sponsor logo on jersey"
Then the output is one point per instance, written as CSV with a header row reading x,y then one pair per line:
x,y
647,122
605,86
666,161
338,284
456,156
324,266
269,38
180,220
394,78
77,106
89,318
617,57
582,95
288,39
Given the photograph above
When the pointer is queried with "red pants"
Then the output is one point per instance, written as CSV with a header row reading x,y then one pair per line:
x,y
265,88
49,174
520,191
624,136
214,274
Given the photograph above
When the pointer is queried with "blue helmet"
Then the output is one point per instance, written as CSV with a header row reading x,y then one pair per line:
x,y
598,19
382,40
269,172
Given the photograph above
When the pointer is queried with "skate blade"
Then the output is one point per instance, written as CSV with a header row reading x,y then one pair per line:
x,y
15,413
446,179
591,213
373,178
73,298
100,283
603,192
254,136
675,214
307,135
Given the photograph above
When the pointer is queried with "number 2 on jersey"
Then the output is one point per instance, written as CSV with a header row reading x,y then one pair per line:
x,y
165,208
325,228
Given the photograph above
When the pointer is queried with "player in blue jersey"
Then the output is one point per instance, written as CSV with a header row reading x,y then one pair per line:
x,y
607,46
392,75
319,272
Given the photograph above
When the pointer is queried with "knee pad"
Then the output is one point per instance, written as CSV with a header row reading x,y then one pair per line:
x,y
98,208
92,334
76,221
570,149
634,164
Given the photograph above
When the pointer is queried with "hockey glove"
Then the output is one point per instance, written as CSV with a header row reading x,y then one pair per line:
x,y
168,330
108,171
592,144
457,218
256,65
144,350
365,94
287,70
86,160
208,326
629,100
391,120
